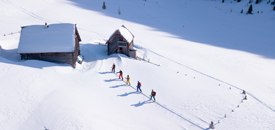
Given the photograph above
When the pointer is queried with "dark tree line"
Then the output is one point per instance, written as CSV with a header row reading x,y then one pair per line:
x,y
251,2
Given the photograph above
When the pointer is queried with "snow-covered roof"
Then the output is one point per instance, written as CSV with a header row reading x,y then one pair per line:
x,y
126,33
41,39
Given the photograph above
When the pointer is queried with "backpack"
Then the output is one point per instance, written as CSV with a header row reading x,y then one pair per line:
x,y
154,93
139,84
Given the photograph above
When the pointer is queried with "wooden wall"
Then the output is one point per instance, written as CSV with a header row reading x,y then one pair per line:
x,y
59,57
118,44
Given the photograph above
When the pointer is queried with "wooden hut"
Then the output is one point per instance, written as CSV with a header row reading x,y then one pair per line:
x,y
121,41
54,42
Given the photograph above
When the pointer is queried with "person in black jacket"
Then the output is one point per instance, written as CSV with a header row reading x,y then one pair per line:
x,y
153,94
113,68
138,87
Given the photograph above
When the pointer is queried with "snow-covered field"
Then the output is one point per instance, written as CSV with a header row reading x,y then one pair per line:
x,y
199,56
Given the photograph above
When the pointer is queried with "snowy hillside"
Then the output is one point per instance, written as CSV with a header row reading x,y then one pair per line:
x,y
198,55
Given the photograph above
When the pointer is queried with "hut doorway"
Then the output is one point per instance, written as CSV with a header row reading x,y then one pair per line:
x,y
120,50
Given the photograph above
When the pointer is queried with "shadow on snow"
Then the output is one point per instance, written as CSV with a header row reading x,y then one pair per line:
x,y
107,72
142,103
90,52
117,86
185,25
111,80
127,94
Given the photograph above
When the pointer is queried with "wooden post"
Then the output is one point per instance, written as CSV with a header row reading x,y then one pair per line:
x,y
211,126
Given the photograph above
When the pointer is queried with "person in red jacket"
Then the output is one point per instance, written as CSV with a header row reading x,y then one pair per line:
x,y
120,74
153,94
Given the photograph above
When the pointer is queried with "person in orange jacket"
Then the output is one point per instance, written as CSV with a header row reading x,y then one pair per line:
x,y
128,80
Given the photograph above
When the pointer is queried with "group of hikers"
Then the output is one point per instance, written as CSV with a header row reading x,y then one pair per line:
x,y
120,76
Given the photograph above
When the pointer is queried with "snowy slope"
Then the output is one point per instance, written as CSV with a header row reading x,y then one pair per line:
x,y
198,57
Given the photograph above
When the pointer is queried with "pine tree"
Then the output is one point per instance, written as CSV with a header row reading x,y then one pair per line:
x,y
258,1
222,1
250,9
119,12
241,11
274,8
238,0
104,5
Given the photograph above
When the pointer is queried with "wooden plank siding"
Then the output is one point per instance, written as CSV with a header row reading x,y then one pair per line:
x,y
59,57
118,44
64,57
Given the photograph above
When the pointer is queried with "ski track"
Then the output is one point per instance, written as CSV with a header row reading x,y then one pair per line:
x,y
100,64
43,19
30,13
211,77
23,10
218,121
119,60
161,105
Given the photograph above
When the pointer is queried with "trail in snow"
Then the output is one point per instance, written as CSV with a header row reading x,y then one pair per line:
x,y
170,110
147,101
29,13
119,61
44,19
36,16
97,63
11,33
217,121
211,77
147,96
